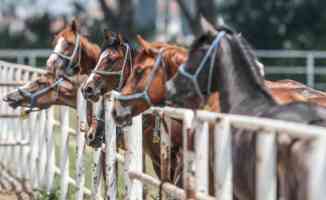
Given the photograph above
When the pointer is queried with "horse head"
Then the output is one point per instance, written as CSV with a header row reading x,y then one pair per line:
x,y
73,53
112,69
154,64
43,92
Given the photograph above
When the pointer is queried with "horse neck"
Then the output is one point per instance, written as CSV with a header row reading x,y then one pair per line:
x,y
240,92
90,54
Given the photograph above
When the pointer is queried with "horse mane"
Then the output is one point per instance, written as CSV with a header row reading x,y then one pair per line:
x,y
93,48
248,57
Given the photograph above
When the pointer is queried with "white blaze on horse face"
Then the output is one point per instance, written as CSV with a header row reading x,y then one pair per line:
x,y
54,59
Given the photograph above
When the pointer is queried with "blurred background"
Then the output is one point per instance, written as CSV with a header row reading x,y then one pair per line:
x,y
288,34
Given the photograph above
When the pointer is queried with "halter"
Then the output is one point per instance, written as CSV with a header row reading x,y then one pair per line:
x,y
77,50
34,96
193,77
144,94
115,73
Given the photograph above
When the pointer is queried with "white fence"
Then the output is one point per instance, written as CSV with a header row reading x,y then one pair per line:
x,y
28,149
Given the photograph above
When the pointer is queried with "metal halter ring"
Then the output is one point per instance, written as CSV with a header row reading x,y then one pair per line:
x,y
193,77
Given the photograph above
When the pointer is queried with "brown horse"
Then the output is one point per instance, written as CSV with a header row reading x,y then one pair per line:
x,y
73,53
47,93
36,94
141,82
149,76
111,72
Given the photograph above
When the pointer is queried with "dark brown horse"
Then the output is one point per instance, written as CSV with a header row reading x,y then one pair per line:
x,y
229,63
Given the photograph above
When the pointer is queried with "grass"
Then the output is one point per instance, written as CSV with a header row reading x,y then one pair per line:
x,y
151,192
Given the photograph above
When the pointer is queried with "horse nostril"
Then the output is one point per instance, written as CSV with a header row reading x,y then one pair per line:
x,y
88,90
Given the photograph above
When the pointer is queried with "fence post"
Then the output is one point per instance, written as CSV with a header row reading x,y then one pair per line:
x,y
110,152
50,150
97,156
165,150
134,158
64,160
266,166
223,160
42,155
202,154
310,68
82,127
317,176
188,156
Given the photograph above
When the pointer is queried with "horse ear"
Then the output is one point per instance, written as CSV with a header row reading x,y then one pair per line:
x,y
74,26
146,45
206,26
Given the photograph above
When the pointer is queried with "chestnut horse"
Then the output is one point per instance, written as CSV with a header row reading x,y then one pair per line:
x,y
46,91
55,87
228,60
111,72
73,53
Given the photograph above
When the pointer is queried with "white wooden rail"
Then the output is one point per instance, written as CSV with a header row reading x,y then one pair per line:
x,y
30,149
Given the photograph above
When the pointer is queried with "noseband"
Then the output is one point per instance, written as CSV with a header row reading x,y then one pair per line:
x,y
212,51
115,73
145,94
77,51
34,96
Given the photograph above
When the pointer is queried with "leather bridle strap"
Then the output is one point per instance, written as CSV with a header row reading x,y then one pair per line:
x,y
34,96
212,51
77,50
115,73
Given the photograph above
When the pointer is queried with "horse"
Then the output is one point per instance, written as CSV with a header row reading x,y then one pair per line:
x,y
46,90
111,72
73,53
226,63
64,71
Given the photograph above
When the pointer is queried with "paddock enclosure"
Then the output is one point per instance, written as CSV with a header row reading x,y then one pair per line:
x,y
28,151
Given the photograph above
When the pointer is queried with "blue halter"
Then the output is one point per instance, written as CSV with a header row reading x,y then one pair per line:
x,y
34,96
193,77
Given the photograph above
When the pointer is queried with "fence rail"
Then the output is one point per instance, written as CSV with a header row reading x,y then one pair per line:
x,y
28,149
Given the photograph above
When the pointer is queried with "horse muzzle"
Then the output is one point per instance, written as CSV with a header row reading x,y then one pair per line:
x,y
13,99
121,115
90,93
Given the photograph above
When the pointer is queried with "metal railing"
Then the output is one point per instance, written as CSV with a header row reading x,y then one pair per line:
x,y
35,160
